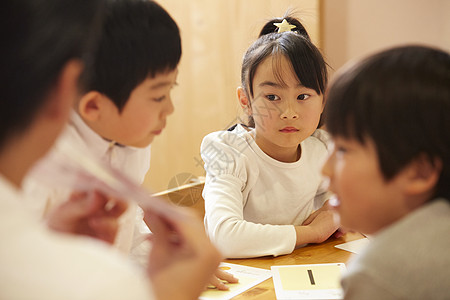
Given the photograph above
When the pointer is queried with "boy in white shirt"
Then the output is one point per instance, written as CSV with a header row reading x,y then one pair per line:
x,y
128,100
125,108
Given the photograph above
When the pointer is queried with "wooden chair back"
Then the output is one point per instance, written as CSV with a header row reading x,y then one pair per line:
x,y
189,195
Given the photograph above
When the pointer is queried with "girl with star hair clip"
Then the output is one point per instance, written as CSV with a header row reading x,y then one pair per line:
x,y
264,193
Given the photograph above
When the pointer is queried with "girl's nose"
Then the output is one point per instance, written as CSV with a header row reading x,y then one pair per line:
x,y
289,113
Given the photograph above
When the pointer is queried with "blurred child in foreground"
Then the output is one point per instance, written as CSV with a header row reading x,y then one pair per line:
x,y
390,171
47,44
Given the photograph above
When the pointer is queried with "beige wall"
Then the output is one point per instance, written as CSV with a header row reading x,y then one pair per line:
x,y
215,35
355,28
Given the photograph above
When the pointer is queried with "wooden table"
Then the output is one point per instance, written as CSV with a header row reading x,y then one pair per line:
x,y
310,254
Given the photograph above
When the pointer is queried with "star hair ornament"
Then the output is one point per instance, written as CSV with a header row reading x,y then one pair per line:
x,y
284,26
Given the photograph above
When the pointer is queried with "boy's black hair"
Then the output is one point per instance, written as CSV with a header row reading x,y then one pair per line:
x,y
139,40
400,99
39,37
308,63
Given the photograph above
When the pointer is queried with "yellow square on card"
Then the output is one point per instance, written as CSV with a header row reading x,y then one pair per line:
x,y
311,277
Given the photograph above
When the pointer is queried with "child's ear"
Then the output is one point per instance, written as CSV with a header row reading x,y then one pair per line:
x,y
423,176
244,101
89,107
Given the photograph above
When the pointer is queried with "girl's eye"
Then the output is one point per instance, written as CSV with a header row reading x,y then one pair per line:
x,y
272,97
303,97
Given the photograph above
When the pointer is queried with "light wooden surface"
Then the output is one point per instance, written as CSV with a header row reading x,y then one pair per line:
x,y
310,254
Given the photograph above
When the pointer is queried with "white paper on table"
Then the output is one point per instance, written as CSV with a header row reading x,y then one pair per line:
x,y
354,246
313,281
248,277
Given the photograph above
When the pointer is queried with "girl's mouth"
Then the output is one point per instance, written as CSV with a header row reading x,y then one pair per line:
x,y
288,129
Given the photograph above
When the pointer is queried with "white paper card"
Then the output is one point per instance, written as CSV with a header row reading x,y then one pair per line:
x,y
315,281
354,246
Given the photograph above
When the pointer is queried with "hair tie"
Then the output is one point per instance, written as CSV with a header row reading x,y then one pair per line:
x,y
284,26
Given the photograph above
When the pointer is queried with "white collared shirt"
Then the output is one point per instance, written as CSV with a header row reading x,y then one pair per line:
x,y
133,162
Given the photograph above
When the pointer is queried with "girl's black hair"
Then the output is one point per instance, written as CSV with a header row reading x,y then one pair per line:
x,y
307,61
139,40
399,99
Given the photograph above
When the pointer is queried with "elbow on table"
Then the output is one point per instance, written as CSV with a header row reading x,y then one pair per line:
x,y
232,245
227,245
233,251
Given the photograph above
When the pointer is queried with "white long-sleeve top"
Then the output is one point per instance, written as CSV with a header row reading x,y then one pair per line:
x,y
252,201
133,162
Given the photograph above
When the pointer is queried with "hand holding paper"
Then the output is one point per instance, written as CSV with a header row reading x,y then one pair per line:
x,y
78,170
181,254
91,214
